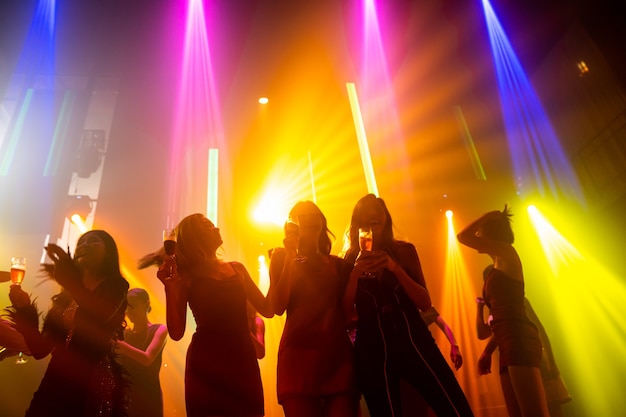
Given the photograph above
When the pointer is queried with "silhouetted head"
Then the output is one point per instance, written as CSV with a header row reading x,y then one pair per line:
x,y
96,251
197,240
138,298
499,228
312,224
371,211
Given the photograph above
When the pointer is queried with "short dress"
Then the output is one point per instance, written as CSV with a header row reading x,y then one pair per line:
x,y
222,376
315,357
517,337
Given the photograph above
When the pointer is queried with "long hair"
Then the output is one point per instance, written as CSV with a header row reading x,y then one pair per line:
x,y
386,239
197,241
110,267
324,243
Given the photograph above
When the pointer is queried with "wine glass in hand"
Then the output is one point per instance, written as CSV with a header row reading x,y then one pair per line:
x,y
292,231
18,270
366,241
169,241
166,270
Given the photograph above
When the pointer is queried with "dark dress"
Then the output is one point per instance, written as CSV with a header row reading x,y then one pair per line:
x,y
517,337
315,357
146,396
393,343
222,376
82,377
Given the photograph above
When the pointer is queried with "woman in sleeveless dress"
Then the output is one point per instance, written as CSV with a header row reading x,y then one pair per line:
x,y
140,353
79,331
315,362
515,336
222,376
393,344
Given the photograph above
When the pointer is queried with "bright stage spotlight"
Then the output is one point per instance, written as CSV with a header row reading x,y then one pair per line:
x,y
273,208
79,223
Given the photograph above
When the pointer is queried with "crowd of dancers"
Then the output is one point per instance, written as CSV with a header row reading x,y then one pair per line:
x,y
356,325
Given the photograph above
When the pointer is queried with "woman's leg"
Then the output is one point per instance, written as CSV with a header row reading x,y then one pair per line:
x,y
302,407
342,405
510,400
528,387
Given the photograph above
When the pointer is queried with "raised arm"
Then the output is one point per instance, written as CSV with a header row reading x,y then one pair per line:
x,y
255,296
176,292
26,318
152,351
281,263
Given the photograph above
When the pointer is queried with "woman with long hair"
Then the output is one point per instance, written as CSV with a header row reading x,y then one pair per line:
x,y
315,362
79,331
222,376
393,344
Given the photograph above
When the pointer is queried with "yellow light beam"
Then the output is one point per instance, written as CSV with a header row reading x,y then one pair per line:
x,y
366,158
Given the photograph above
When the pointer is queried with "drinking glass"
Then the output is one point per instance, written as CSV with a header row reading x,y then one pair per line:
x,y
169,241
18,270
169,244
292,228
366,240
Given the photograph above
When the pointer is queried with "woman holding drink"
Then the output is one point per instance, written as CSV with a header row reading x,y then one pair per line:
x,y
222,376
388,289
18,270
79,331
315,362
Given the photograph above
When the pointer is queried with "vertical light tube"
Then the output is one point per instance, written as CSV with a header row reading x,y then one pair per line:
x,y
366,159
212,185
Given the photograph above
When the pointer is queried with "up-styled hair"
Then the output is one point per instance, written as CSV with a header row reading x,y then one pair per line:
x,y
140,294
386,238
324,244
499,228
